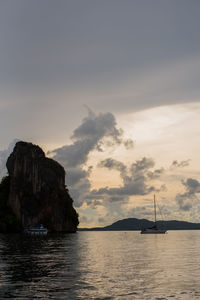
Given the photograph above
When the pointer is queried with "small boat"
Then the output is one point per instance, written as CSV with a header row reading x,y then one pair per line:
x,y
36,230
154,229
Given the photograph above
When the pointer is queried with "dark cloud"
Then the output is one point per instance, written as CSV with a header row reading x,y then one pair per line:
x,y
76,175
4,156
142,165
96,127
80,189
137,187
111,163
187,199
192,185
58,55
156,173
89,136
181,164
66,48
76,154
184,201
96,132
137,169
135,179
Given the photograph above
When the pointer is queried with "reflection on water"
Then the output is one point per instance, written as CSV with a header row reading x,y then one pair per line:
x,y
101,265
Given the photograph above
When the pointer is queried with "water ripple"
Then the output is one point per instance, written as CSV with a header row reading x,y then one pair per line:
x,y
101,265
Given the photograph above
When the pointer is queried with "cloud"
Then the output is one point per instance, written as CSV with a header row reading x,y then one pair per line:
x,y
184,203
135,179
142,165
137,169
156,173
101,220
86,219
182,164
96,132
76,175
129,144
4,156
192,185
90,136
187,199
141,211
111,163
68,59
79,184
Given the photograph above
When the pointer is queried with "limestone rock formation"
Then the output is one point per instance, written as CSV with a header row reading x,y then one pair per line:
x,y
37,190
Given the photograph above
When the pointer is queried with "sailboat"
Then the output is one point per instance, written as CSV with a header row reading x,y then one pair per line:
x,y
153,229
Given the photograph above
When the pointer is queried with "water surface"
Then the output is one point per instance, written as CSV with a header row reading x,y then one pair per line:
x,y
101,265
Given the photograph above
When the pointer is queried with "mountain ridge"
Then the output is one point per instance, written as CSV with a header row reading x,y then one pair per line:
x,y
135,224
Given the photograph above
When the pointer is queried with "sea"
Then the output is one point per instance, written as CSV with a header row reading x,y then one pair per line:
x,y
101,265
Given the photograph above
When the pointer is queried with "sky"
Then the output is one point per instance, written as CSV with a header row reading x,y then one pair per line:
x,y
110,89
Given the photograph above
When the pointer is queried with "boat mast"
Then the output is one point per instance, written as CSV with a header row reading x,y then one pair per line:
x,y
155,207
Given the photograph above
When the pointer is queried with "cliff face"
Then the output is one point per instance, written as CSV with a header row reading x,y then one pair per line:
x,y
37,190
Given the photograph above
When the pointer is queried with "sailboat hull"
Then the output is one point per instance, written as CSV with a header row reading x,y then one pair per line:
x,y
153,231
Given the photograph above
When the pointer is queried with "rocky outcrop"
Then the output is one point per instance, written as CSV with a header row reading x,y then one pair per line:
x,y
37,190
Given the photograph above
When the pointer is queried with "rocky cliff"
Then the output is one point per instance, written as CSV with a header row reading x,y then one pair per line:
x,y
37,192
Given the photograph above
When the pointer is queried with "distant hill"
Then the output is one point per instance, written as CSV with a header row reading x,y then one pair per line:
x,y
138,224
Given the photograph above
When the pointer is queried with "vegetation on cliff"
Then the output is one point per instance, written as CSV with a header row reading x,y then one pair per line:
x,y
8,221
